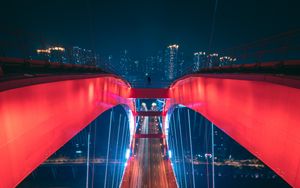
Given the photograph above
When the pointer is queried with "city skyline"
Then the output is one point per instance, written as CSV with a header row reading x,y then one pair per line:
x,y
168,63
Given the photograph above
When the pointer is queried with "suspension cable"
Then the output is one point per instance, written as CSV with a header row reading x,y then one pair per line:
x,y
116,151
173,148
125,130
182,153
108,145
94,151
173,144
206,148
176,151
191,148
213,155
88,157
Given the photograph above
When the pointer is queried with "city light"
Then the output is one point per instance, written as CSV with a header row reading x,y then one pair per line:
x,y
199,53
174,46
131,123
43,51
57,48
170,154
213,55
127,155
227,58
208,155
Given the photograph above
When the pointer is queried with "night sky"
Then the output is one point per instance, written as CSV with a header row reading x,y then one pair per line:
x,y
144,27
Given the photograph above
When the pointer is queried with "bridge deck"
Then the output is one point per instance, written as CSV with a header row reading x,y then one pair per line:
x,y
148,167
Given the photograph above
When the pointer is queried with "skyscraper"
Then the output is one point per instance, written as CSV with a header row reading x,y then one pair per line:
x,y
180,65
150,65
82,56
58,54
226,60
171,61
200,61
213,60
160,64
43,54
53,54
136,67
124,63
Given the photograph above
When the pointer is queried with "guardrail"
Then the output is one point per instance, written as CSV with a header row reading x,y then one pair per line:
x,y
10,66
290,67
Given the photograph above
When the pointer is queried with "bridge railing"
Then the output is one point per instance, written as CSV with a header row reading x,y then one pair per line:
x,y
15,66
289,67
143,83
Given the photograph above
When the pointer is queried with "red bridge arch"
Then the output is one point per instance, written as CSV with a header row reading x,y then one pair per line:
x,y
36,120
258,111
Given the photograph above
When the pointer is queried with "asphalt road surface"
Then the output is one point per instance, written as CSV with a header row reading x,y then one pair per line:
x,y
148,168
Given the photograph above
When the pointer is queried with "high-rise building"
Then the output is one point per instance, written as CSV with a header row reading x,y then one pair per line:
x,y
124,63
110,62
97,59
43,54
53,54
106,63
150,66
160,64
58,54
226,60
180,65
82,56
74,55
200,61
136,67
133,67
171,61
213,60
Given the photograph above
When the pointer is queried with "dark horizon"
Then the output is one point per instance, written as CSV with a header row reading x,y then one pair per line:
x,y
144,28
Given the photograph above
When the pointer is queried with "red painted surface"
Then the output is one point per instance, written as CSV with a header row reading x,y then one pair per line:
x,y
260,115
37,120
147,93
149,113
149,136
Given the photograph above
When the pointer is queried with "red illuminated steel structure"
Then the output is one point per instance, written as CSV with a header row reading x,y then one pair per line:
x,y
149,113
150,93
260,112
36,120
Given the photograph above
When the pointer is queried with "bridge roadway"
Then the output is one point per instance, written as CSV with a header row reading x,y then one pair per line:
x,y
148,168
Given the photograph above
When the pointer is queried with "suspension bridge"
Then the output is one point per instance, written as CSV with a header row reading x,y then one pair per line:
x,y
43,105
